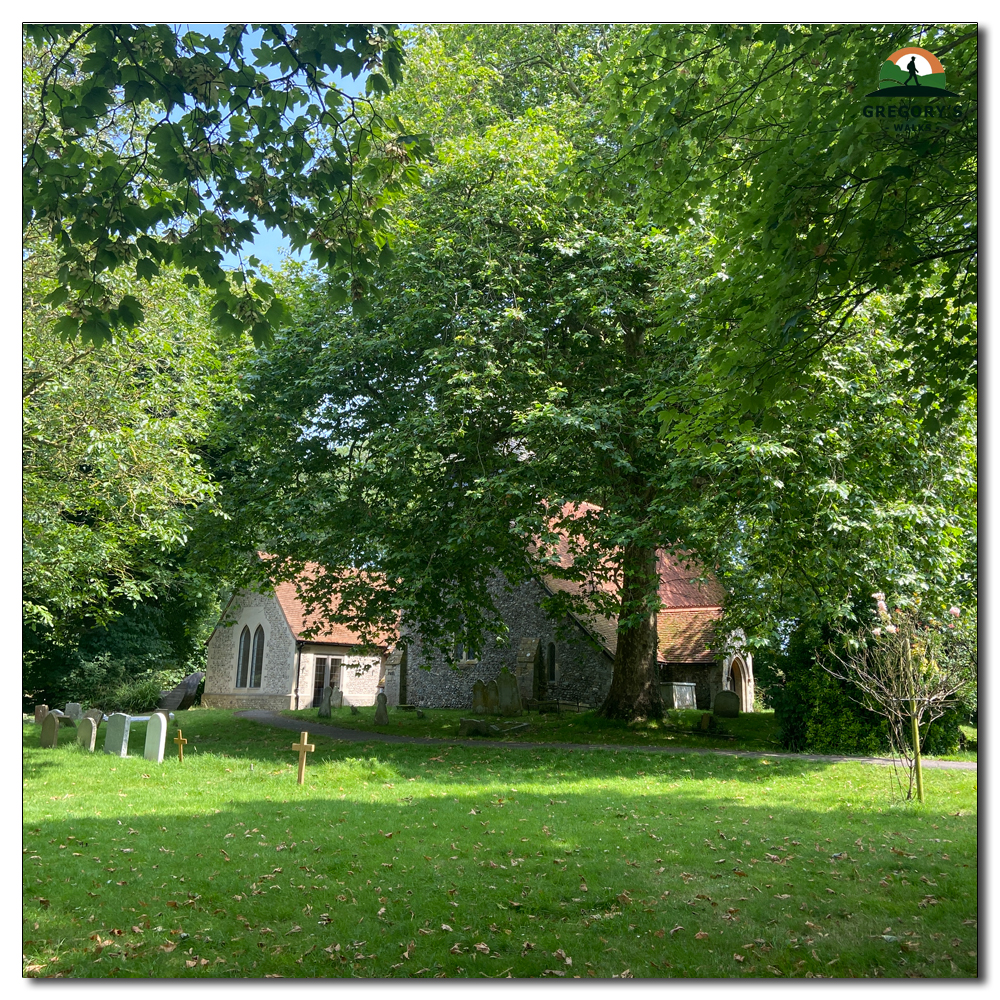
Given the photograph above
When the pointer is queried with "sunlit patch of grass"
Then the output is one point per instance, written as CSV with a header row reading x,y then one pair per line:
x,y
403,860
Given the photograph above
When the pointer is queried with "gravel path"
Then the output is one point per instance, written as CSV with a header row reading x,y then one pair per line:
x,y
278,721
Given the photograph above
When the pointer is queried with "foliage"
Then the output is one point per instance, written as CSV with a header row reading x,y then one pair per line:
x,y
808,509
134,696
760,129
145,147
621,846
111,473
815,712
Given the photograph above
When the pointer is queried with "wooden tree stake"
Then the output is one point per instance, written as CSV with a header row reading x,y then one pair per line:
x,y
180,741
303,748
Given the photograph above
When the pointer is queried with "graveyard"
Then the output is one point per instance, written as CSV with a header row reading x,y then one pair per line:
x,y
462,861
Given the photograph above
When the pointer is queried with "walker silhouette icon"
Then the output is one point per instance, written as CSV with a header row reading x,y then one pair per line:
x,y
912,72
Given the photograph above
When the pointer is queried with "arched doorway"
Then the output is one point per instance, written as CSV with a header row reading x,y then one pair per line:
x,y
737,681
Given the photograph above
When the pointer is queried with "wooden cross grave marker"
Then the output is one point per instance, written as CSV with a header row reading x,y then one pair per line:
x,y
303,748
180,741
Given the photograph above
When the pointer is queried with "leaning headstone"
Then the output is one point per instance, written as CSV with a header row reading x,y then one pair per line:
x,y
156,737
116,737
74,711
492,698
479,698
727,705
86,734
64,720
509,696
96,715
381,713
706,722
324,705
40,712
50,730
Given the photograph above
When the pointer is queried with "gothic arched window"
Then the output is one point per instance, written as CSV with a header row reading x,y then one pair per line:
x,y
258,657
243,660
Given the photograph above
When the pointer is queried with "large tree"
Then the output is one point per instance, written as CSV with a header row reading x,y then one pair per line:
x,y
145,147
491,403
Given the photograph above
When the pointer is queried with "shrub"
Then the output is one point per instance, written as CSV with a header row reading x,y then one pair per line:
x,y
136,697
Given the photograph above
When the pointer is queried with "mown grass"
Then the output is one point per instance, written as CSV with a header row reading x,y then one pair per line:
x,y
749,731
403,860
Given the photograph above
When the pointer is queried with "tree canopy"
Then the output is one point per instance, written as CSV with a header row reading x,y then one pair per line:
x,y
145,147
815,206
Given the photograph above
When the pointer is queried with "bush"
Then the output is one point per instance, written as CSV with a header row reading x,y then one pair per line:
x,y
815,712
137,697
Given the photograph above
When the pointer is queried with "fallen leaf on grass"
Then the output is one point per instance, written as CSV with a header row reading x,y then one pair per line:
x,y
482,947
738,958
553,972
701,935
169,946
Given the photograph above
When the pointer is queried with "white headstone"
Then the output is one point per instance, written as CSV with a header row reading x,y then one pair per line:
x,y
50,730
116,738
74,711
156,737
86,733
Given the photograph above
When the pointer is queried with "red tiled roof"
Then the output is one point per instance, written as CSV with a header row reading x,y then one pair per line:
x,y
688,635
685,623
287,594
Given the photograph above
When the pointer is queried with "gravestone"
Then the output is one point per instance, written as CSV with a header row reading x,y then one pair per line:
x,y
86,734
40,712
509,696
479,698
492,698
354,710
420,714
64,720
74,711
678,694
474,727
182,696
337,698
50,730
116,737
727,705
156,737
706,722
324,704
381,713
96,716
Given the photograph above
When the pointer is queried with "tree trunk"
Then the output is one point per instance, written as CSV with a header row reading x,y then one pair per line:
x,y
635,688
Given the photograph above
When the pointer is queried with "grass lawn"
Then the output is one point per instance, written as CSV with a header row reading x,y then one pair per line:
x,y
401,860
749,731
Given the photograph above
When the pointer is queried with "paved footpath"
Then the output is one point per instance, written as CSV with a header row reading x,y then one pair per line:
x,y
278,721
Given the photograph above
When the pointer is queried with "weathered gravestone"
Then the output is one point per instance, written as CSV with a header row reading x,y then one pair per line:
x,y
50,730
86,734
156,737
727,705
474,727
40,712
337,698
96,715
492,698
324,705
116,737
381,713
74,711
479,698
509,696
356,711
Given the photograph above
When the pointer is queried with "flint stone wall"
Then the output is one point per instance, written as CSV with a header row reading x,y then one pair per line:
x,y
583,672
